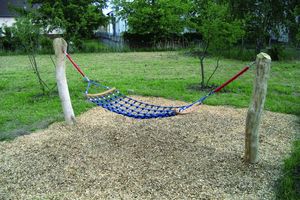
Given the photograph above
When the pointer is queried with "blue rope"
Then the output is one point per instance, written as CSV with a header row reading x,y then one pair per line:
x,y
127,106
121,104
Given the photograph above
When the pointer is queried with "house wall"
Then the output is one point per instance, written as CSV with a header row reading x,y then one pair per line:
x,y
117,27
8,21
121,26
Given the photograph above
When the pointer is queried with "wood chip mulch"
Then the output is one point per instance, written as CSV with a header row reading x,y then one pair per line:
x,y
109,156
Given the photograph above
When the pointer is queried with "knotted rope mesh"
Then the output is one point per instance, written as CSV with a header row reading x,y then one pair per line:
x,y
119,103
127,106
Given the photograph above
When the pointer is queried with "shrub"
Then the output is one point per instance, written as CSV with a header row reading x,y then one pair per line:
x,y
276,52
45,44
8,42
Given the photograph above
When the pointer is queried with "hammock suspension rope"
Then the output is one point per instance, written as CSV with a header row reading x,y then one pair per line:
x,y
114,101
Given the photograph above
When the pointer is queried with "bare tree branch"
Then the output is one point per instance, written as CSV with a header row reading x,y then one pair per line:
x,y
217,66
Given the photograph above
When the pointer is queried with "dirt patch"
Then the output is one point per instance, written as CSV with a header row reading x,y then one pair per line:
x,y
109,156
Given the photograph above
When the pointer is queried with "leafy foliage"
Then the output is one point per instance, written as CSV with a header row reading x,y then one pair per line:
x,y
7,40
297,14
264,17
28,36
159,18
219,30
214,22
76,18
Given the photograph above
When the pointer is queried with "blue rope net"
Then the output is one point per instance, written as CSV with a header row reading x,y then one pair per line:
x,y
117,102
127,106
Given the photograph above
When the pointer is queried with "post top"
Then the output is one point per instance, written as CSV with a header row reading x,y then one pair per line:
x,y
60,46
262,55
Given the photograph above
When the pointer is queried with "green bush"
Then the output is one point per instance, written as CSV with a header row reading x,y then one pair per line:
x,y
94,46
232,53
8,42
45,45
276,52
238,53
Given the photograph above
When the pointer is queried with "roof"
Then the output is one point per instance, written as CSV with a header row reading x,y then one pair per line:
x,y
5,10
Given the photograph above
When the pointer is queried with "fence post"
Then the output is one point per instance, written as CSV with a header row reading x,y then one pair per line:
x,y
60,46
263,64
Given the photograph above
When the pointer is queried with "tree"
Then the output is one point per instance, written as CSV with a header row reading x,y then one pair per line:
x,y
263,17
297,14
28,36
160,18
77,18
219,31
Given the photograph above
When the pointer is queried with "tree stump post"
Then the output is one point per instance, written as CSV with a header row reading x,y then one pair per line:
x,y
263,65
60,46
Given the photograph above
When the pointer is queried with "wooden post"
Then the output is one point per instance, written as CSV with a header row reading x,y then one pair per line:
x,y
60,46
263,64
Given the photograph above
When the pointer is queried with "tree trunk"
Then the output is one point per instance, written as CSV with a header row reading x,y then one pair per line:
x,y
263,63
202,57
60,46
212,74
202,71
259,45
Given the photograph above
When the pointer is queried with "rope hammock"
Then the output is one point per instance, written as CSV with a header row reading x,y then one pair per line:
x,y
114,101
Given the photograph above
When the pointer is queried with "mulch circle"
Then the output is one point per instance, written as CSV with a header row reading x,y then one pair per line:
x,y
109,156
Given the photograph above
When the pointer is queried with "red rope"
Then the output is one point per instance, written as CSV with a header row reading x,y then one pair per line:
x,y
232,79
75,65
216,90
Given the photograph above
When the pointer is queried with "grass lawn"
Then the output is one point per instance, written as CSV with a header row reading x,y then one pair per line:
x,y
165,74
289,185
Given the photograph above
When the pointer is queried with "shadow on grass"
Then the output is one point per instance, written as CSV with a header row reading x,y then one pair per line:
x,y
197,87
26,130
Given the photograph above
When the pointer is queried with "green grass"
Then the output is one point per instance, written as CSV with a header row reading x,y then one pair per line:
x,y
164,74
289,185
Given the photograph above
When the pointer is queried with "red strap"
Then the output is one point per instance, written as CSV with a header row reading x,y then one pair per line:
x,y
232,79
75,65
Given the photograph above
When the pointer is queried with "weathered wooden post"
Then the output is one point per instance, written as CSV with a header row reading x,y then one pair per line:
x,y
263,64
60,46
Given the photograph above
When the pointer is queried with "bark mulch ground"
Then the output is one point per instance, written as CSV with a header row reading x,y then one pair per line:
x,y
108,156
